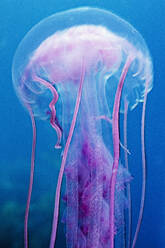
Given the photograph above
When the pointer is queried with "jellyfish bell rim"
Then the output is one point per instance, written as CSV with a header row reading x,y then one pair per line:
x,y
66,19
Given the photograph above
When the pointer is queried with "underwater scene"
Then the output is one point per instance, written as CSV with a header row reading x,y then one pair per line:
x,y
82,124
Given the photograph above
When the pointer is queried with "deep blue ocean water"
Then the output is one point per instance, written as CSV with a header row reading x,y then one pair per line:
x,y
16,18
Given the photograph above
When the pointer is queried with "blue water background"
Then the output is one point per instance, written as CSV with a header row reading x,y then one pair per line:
x,y
16,18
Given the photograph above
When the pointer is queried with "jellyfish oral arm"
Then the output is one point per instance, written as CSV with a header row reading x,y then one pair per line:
x,y
116,144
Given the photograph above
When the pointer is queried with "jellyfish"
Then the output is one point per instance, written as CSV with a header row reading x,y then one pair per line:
x,y
79,70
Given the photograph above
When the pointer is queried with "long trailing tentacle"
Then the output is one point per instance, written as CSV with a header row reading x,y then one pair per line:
x,y
59,182
31,178
143,168
116,145
128,186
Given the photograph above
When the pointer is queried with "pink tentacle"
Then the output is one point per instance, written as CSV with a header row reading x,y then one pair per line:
x,y
143,168
116,145
59,182
31,179
52,107
126,166
104,117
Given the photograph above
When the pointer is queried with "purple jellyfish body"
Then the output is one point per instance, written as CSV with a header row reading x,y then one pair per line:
x,y
98,66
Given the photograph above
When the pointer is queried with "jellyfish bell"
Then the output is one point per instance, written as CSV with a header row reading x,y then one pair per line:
x,y
56,27
76,68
